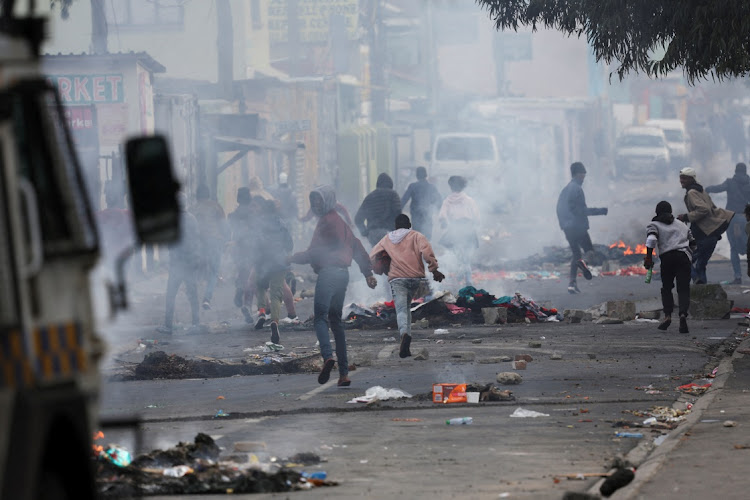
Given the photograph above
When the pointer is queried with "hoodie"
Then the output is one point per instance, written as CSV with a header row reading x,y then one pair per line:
x,y
458,206
669,234
379,208
406,248
738,191
333,243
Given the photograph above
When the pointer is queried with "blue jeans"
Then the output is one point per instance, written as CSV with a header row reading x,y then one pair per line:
x,y
330,290
403,292
704,251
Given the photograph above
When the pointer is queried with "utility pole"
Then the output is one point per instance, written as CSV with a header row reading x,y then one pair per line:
x,y
225,48
377,63
99,29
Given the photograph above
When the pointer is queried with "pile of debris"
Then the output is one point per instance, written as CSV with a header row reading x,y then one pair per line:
x,y
197,468
619,252
160,365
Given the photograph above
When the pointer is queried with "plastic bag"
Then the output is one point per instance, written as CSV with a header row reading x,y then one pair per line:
x,y
381,394
521,413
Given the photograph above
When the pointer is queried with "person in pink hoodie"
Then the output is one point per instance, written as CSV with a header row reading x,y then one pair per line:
x,y
459,218
408,251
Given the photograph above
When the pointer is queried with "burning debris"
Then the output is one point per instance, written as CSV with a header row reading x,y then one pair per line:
x,y
197,468
618,251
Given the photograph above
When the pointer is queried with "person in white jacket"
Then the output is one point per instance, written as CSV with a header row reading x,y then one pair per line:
x,y
459,217
408,250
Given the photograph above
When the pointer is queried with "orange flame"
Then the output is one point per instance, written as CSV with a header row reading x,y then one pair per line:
x,y
619,244
98,435
628,250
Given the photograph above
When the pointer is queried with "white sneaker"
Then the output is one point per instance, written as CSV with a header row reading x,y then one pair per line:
x,y
289,321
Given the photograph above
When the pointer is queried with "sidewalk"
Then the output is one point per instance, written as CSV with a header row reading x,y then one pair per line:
x,y
701,458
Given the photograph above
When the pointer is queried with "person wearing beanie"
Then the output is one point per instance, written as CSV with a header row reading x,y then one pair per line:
x,y
737,188
676,245
408,250
573,217
707,222
379,209
425,201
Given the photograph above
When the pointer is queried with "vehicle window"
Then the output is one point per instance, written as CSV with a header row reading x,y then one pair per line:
x,y
642,141
8,306
674,135
47,160
465,149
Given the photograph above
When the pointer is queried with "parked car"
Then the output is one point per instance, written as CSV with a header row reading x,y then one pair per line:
x,y
642,151
677,139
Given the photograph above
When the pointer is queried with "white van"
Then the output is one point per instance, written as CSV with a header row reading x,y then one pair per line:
x,y
677,140
463,154
642,151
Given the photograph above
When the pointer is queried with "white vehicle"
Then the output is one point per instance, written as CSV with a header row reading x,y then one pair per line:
x,y
677,139
642,151
49,349
464,154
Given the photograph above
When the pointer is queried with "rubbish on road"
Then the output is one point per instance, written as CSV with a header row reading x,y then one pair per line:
x,y
555,356
742,447
535,344
581,475
729,423
320,474
448,393
220,397
459,421
509,378
378,393
523,413
660,439
441,331
472,397
271,347
178,471
616,480
150,342
389,339
422,355
114,454
636,435
650,421
221,413
695,389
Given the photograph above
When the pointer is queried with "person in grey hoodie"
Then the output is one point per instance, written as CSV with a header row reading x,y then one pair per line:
x,y
408,250
379,209
573,216
738,195
676,245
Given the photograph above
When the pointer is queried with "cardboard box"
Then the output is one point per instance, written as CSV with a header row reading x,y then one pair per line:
x,y
449,393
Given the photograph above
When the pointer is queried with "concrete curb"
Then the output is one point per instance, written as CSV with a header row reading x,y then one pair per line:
x,y
649,458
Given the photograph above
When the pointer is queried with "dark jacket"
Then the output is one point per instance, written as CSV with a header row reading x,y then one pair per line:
x,y
271,244
738,191
187,255
379,208
572,212
424,198
333,243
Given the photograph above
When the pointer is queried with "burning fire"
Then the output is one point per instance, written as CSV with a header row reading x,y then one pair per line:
x,y
639,249
98,449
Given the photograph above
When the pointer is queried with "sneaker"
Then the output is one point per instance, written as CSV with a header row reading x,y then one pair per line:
x,y
239,297
683,325
261,320
344,381
584,269
289,321
665,324
274,333
573,288
206,305
325,372
247,315
404,351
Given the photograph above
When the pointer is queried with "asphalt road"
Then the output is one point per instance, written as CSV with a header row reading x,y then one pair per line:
x,y
600,378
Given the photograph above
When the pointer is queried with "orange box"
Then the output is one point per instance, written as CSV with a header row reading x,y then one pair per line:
x,y
449,393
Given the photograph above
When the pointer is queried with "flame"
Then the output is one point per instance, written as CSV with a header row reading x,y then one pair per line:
x,y
619,244
98,435
97,448
628,250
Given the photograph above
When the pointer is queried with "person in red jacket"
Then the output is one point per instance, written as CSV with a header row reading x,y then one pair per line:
x,y
330,254
406,249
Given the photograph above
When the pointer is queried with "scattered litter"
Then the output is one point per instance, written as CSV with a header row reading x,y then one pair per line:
x,y
380,394
522,413
178,471
363,461
729,423
709,421
459,421
114,454
636,435
221,413
742,447
695,389
320,474
220,397
644,320
650,421
389,339
271,347
660,439
441,331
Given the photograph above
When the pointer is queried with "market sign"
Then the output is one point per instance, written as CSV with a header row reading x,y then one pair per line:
x,y
89,89
313,17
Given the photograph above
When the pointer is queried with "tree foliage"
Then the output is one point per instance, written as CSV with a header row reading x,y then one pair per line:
x,y
704,37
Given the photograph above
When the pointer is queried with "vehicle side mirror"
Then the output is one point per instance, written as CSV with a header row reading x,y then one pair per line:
x,y
153,190
427,156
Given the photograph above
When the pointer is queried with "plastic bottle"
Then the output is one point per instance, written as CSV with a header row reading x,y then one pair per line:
x,y
321,474
649,273
459,421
